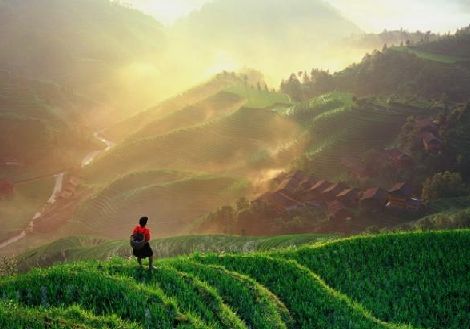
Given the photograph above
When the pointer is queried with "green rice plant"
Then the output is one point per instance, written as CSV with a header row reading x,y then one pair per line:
x,y
311,302
417,278
96,292
13,316
256,305
190,294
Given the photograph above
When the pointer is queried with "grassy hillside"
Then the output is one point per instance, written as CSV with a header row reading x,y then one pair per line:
x,y
88,248
164,110
209,109
339,128
244,140
413,280
87,45
402,71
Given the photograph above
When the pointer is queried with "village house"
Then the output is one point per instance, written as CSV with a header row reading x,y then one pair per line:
x,y
349,197
280,202
414,204
7,189
374,199
431,143
291,183
399,195
332,191
314,192
306,184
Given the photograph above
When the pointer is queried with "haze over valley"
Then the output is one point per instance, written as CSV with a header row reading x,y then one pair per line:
x,y
279,164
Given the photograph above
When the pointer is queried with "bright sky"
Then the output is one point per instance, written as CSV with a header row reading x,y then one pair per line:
x,y
370,15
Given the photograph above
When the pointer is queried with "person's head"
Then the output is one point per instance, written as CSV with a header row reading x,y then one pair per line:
x,y
143,221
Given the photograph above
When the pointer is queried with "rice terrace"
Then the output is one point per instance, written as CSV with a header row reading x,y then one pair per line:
x,y
234,164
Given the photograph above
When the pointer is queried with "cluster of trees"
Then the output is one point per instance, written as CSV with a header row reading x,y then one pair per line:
x,y
452,45
395,37
445,174
443,185
395,72
387,72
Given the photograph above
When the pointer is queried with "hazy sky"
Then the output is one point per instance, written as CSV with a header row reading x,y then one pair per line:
x,y
370,15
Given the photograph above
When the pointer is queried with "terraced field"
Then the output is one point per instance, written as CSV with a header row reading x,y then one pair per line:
x,y
230,144
339,129
172,199
412,280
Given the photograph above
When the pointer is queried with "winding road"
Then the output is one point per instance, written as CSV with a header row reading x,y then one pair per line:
x,y
58,186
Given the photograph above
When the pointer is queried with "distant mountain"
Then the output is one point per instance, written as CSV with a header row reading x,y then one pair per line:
x,y
92,46
270,35
431,69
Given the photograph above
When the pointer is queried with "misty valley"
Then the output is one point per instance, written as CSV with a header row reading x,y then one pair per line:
x,y
297,170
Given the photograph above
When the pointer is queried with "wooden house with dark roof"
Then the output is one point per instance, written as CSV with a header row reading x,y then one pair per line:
x,y
349,196
307,183
374,199
313,193
399,195
291,183
332,191
280,202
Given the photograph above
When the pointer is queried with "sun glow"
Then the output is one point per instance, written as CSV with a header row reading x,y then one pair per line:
x,y
165,11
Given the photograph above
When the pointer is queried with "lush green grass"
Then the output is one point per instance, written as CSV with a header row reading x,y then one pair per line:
x,y
18,211
406,280
13,316
417,278
256,305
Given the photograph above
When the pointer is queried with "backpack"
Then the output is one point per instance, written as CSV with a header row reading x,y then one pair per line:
x,y
137,241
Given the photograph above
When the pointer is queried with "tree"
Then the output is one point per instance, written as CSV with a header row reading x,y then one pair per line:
x,y
443,185
242,204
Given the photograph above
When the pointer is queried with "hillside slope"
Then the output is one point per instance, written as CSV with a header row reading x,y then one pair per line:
x,y
90,46
412,280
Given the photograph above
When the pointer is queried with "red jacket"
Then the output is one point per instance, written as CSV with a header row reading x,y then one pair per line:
x,y
142,230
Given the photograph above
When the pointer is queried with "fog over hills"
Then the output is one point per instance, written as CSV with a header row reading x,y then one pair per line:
x,y
271,35
94,47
